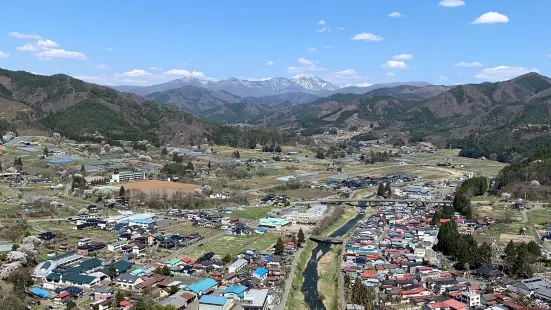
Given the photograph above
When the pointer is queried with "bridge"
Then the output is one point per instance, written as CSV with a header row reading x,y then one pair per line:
x,y
377,202
330,240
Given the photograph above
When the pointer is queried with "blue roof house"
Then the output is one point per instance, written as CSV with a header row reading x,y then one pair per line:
x,y
235,292
260,273
202,287
215,302
40,292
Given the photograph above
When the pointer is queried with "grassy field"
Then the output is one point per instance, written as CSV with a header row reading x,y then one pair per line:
x,y
66,229
186,228
233,245
328,271
251,213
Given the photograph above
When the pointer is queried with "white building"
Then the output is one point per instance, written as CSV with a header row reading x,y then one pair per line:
x,y
127,176
237,265
471,298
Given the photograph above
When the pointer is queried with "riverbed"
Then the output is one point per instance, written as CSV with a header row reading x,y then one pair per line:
x,y
310,274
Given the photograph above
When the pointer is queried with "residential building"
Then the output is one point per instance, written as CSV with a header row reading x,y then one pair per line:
x,y
117,246
143,223
260,273
471,298
202,287
128,281
235,292
208,302
255,299
103,293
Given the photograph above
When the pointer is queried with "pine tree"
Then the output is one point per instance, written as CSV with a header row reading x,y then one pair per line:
x,y
70,304
122,191
226,258
82,169
381,190
164,151
534,248
190,166
209,165
46,151
278,249
112,272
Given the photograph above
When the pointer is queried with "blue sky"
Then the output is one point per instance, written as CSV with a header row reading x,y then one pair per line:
x,y
345,42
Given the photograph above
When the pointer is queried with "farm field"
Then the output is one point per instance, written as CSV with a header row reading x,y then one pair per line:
x,y
152,186
233,245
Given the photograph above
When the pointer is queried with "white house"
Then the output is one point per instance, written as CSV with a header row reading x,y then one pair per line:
x,y
237,265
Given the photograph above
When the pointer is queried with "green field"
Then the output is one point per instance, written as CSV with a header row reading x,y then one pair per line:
x,y
250,213
233,245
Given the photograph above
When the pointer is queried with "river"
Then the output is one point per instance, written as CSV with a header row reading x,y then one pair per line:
x,y
310,274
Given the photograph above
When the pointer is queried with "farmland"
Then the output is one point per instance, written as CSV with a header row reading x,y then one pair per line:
x,y
230,244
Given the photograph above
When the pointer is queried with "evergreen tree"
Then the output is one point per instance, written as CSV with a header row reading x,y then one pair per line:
x,y
388,190
164,151
301,238
122,192
112,272
226,258
209,165
46,151
381,190
119,297
70,304
510,250
278,249
320,154
82,169
190,166
534,248
277,149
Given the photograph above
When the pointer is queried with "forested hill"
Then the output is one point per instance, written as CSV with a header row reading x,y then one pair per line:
x,y
506,121
78,110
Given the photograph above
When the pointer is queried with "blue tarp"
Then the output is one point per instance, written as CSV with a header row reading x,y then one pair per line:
x,y
40,292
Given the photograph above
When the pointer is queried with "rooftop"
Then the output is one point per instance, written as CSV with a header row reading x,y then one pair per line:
x,y
202,285
213,300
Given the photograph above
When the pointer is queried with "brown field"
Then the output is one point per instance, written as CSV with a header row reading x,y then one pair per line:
x,y
151,186
504,238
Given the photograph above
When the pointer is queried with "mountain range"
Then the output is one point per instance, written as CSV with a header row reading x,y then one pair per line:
x,y
308,84
506,120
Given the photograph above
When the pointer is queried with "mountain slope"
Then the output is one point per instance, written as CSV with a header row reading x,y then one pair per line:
x,y
292,97
244,88
363,90
193,99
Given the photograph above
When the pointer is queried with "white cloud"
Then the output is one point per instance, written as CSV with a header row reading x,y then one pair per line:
x,y
304,61
502,73
27,48
444,78
364,85
347,74
155,68
46,44
491,18
60,53
108,49
134,73
181,63
390,74
4,54
403,57
365,36
311,49
270,63
306,65
325,27
451,3
102,67
185,73
321,22
395,15
395,64
464,64
24,36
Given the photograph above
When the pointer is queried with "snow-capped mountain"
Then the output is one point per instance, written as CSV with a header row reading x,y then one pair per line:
x,y
314,83
244,88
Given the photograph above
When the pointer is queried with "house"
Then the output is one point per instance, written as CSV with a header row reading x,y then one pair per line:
x,y
237,266
255,300
260,273
202,287
84,241
121,266
62,298
128,281
54,280
537,288
103,293
40,292
178,301
450,304
90,248
489,272
208,302
45,236
235,292
117,246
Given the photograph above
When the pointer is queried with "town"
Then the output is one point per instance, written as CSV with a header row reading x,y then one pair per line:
x,y
129,231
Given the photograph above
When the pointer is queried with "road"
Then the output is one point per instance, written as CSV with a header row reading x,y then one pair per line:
x,y
289,281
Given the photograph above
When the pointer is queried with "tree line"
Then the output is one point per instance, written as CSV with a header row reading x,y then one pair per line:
x,y
476,186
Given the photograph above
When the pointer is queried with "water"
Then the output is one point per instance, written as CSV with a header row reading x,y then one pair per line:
x,y
310,274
